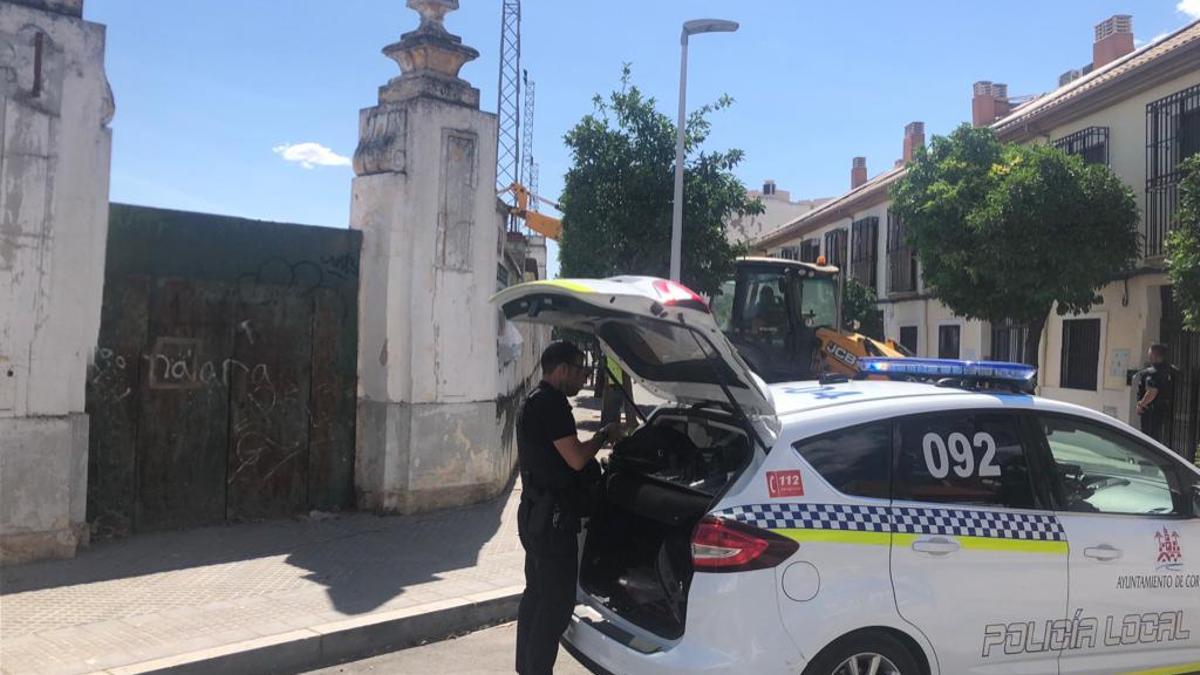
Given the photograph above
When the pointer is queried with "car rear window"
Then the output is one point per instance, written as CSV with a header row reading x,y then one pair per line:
x,y
855,461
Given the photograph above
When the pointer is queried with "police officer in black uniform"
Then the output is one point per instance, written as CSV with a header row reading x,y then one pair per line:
x,y
1156,395
553,464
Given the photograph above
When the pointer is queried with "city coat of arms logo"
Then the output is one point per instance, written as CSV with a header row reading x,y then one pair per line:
x,y
1170,556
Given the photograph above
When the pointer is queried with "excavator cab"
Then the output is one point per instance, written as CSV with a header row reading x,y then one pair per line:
x,y
772,311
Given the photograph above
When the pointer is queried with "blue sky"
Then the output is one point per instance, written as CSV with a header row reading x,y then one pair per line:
x,y
209,92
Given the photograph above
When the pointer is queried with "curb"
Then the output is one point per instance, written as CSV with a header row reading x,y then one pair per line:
x,y
340,641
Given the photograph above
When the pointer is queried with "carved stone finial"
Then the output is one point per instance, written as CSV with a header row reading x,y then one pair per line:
x,y
430,58
433,13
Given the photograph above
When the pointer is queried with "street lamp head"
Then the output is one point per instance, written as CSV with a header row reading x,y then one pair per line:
x,y
696,26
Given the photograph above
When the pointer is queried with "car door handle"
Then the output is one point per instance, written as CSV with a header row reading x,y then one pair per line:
x,y
1102,552
935,545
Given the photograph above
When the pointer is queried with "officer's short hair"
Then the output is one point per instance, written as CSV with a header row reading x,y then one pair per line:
x,y
558,353
1159,349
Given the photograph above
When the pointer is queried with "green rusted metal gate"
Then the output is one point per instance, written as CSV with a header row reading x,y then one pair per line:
x,y
224,382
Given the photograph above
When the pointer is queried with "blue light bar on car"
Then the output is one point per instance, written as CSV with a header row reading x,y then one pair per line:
x,y
1000,372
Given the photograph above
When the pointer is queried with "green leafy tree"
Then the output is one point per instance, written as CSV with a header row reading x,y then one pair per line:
x,y
1183,246
617,199
860,310
1005,231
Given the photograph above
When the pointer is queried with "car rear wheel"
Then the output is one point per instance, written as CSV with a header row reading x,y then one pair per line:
x,y
867,663
867,653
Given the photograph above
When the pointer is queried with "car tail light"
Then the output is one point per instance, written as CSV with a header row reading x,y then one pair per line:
x,y
720,545
674,293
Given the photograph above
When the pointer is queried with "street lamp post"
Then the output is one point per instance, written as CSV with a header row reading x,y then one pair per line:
x,y
689,28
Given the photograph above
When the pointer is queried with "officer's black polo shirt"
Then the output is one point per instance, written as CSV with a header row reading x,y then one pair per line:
x,y
545,417
1158,376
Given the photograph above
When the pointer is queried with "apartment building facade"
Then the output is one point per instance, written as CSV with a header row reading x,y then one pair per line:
x,y
1138,112
778,210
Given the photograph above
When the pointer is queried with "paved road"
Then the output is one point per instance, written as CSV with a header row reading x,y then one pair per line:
x,y
486,651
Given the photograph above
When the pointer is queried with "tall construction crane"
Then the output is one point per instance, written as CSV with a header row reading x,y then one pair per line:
x,y
529,169
508,104
516,170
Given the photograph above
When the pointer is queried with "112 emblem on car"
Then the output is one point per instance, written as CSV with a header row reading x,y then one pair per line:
x,y
785,484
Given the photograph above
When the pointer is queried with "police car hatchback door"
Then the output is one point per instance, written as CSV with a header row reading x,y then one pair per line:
x,y
978,565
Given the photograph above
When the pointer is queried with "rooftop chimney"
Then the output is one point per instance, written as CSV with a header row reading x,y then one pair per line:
x,y
1114,39
989,102
914,137
858,172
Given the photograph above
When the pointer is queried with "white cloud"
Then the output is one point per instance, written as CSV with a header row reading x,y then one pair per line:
x,y
309,155
1189,7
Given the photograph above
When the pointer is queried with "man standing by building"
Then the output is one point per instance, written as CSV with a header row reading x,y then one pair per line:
x,y
1155,396
554,463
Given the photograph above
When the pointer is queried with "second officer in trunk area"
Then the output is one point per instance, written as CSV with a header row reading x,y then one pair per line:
x,y
553,499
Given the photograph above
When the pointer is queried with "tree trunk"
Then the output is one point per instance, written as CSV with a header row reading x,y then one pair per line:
x,y
1033,342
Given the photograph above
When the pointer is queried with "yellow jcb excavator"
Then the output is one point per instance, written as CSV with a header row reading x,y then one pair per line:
x,y
784,316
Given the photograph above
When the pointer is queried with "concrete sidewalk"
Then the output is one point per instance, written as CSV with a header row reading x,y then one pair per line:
x,y
276,596
299,592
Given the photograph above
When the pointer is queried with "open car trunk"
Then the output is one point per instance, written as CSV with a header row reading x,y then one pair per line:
x,y
657,485
662,480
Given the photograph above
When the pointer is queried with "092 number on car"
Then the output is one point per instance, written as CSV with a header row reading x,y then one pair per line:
x,y
956,453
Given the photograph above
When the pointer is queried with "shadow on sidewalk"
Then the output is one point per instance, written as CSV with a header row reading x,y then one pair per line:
x,y
363,560
361,573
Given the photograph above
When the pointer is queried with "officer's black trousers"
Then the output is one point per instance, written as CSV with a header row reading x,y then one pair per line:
x,y
545,607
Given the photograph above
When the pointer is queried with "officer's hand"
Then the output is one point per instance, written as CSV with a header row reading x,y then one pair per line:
x,y
613,432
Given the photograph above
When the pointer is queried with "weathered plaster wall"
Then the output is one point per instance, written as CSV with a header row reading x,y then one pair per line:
x,y
55,145
430,434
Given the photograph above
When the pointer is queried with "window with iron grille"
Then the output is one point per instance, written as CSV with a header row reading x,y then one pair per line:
x,y
810,250
949,341
908,338
1172,135
790,253
1091,144
864,251
901,258
835,248
1008,342
1080,354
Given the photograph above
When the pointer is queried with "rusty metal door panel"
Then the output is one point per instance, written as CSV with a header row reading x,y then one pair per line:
x,y
183,433
333,402
224,385
113,402
269,403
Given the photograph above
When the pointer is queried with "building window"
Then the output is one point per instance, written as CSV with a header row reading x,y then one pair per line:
x,y
810,250
790,253
1008,342
1172,135
1080,354
901,258
949,341
864,253
1091,144
835,248
908,338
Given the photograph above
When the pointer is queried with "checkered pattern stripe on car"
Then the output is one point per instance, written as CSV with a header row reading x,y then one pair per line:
x,y
967,523
852,517
900,520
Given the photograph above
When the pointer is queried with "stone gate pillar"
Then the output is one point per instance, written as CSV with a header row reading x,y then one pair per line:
x,y
55,106
425,201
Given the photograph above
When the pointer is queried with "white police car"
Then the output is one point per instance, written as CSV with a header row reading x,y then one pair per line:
x,y
867,526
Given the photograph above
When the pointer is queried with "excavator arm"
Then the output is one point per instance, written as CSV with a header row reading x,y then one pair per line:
x,y
548,227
